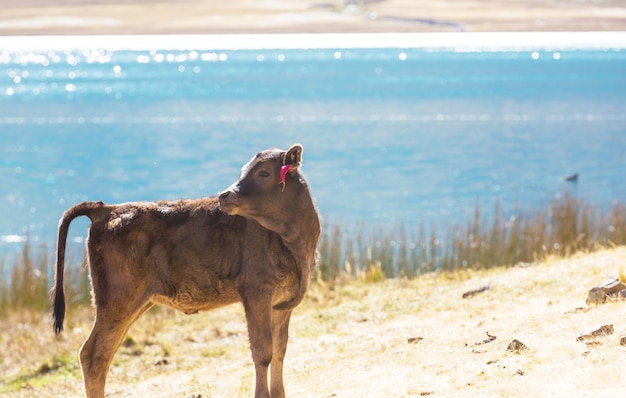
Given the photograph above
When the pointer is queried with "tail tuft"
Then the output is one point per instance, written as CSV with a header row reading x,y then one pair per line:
x,y
58,311
89,209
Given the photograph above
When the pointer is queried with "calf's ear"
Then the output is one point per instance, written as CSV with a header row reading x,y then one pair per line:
x,y
293,156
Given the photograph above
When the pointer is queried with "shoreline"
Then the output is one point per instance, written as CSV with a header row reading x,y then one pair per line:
x,y
449,41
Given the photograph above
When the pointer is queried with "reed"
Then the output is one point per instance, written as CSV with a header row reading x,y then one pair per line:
x,y
567,225
27,281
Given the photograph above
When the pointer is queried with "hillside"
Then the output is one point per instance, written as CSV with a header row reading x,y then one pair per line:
x,y
31,17
395,338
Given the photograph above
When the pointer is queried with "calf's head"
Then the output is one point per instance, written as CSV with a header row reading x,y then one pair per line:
x,y
269,189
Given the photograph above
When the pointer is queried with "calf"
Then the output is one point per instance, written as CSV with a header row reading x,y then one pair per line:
x,y
255,243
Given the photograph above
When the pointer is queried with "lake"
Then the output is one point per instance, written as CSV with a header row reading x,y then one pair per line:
x,y
397,129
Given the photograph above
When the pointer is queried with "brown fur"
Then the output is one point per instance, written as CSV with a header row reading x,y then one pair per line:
x,y
253,243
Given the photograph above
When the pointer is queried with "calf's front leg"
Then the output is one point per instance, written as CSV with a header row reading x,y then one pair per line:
x,y
280,335
259,317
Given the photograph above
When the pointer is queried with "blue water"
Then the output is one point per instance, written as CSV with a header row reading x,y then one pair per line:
x,y
391,136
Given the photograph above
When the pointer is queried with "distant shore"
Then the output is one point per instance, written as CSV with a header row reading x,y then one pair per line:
x,y
101,17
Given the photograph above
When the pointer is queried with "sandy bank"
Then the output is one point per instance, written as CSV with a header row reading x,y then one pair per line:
x,y
36,17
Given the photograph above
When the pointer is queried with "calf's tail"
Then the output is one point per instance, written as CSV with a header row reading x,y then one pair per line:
x,y
58,294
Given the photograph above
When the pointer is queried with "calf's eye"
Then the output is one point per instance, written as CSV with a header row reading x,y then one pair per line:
x,y
263,173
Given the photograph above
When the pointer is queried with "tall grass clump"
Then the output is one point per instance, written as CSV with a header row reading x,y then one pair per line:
x,y
25,286
27,279
566,226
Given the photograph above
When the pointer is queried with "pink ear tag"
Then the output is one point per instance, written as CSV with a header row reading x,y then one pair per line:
x,y
283,172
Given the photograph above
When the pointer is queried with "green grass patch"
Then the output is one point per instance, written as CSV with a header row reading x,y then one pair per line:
x,y
50,371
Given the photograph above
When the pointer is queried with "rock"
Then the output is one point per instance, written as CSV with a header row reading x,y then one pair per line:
x,y
622,340
516,346
414,340
489,339
611,287
474,292
605,330
578,309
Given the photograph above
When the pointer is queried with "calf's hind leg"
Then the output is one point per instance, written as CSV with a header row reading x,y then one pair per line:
x,y
110,326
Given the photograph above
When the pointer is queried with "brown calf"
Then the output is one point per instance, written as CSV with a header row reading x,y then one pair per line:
x,y
255,243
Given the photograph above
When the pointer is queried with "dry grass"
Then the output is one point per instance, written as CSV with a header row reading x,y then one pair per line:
x,y
502,238
351,339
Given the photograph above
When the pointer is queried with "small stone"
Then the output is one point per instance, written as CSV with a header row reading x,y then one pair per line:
x,y
596,296
414,340
578,309
604,330
474,292
622,340
611,287
488,340
516,346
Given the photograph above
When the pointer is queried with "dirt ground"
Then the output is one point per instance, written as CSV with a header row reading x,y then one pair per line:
x,y
32,17
396,338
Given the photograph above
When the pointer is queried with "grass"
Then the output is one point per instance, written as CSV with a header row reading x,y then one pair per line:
x,y
420,336
48,372
568,225
30,279
399,337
